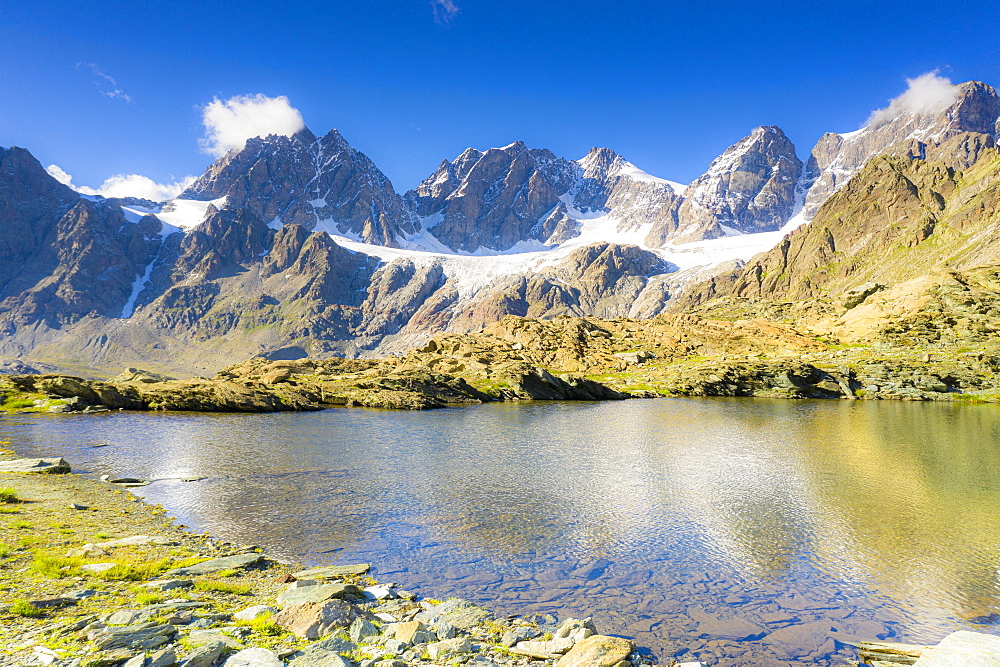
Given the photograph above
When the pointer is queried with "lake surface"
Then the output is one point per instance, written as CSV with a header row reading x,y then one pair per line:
x,y
734,531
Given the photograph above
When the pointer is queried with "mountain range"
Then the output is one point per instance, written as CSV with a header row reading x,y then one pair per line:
x,y
299,245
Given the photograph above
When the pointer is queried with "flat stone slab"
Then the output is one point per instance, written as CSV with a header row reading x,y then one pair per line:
x,y
56,465
134,637
333,571
216,564
137,540
963,649
292,596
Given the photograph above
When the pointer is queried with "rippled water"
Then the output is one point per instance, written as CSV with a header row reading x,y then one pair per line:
x,y
732,531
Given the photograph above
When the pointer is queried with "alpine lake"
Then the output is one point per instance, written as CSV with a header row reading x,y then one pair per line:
x,y
733,531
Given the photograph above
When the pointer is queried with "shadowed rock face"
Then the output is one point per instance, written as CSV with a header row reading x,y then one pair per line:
x,y
308,181
63,257
749,188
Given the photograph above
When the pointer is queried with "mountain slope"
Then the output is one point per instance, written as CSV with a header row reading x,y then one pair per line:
x,y
896,220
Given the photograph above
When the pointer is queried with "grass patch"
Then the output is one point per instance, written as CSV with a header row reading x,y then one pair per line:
x,y
21,524
135,571
101,536
55,567
227,573
5,550
221,587
148,598
9,495
14,403
262,625
25,609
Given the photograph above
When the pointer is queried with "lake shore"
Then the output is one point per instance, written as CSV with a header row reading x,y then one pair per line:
x,y
94,576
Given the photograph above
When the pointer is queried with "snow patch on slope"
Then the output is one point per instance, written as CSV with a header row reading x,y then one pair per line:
x,y
187,213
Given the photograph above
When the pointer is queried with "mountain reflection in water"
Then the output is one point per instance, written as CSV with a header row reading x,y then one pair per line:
x,y
731,531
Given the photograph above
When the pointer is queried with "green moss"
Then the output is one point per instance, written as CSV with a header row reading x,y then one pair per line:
x,y
8,495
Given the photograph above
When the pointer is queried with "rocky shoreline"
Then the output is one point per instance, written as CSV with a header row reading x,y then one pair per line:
x,y
94,577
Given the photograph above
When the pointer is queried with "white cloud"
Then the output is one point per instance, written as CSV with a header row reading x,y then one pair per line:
x,y
125,185
444,11
229,123
56,172
107,82
927,94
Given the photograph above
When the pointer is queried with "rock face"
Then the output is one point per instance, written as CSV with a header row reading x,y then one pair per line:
x,y
63,257
494,199
750,188
501,197
313,182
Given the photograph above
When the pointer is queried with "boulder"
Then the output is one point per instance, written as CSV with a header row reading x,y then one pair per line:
x,y
448,647
316,619
404,631
963,649
140,375
544,650
204,655
361,629
96,568
53,465
253,657
165,657
137,540
294,596
167,584
316,656
597,651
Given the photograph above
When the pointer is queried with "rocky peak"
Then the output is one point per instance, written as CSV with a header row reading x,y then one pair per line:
x,y
314,182
749,188
493,199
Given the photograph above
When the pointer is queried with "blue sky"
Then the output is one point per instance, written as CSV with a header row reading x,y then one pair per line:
x,y
102,88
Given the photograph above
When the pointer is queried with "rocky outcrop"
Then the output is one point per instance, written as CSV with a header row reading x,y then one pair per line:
x,y
315,182
749,188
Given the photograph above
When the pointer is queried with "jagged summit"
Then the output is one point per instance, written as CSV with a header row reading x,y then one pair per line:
x,y
315,182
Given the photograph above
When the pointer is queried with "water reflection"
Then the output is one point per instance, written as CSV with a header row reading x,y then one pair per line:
x,y
732,531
